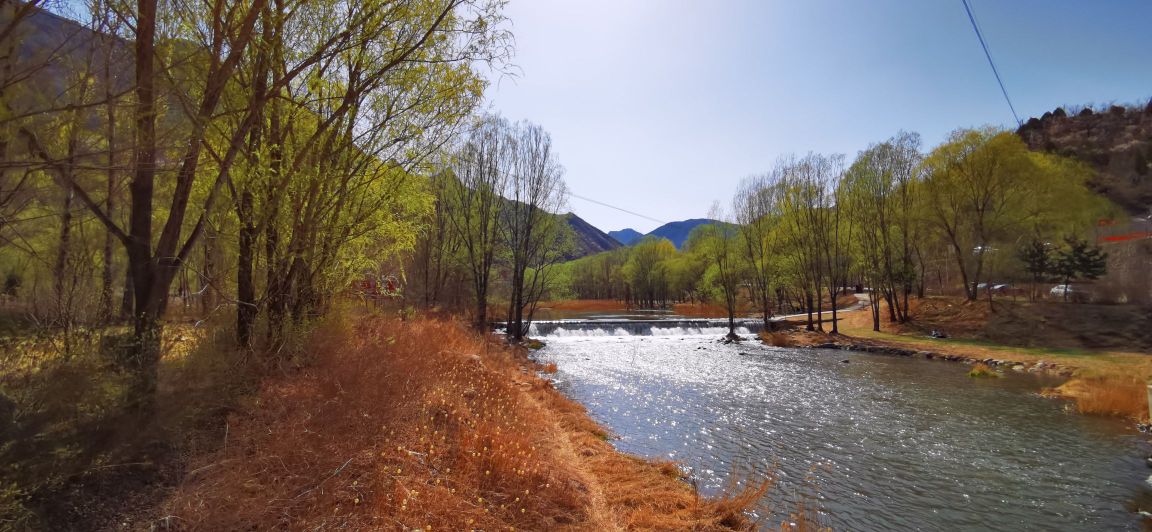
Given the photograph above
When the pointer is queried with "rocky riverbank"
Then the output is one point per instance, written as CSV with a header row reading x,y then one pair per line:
x,y
1103,383
1012,365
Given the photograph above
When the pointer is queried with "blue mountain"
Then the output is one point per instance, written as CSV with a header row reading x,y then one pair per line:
x,y
626,236
678,232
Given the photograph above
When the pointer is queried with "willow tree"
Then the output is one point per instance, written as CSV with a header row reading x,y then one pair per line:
x,y
718,245
984,191
331,183
481,164
646,271
880,196
532,229
757,211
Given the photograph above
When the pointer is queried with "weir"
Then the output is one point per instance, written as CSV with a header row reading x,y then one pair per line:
x,y
615,327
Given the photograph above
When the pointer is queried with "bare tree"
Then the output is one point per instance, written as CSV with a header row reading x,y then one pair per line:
x,y
532,227
482,165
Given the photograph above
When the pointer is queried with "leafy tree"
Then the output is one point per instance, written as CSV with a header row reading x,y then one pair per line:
x,y
881,194
984,187
757,207
1079,260
718,246
646,271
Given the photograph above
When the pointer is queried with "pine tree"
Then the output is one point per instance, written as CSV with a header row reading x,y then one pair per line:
x,y
1038,262
1079,260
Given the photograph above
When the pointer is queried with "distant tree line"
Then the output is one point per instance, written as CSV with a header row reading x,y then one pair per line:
x,y
979,207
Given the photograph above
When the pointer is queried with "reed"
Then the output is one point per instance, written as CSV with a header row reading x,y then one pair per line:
x,y
1110,396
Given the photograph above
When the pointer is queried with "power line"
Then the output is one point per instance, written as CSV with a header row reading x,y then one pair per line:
x,y
984,45
601,203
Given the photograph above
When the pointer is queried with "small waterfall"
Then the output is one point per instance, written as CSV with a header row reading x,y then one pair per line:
x,y
673,327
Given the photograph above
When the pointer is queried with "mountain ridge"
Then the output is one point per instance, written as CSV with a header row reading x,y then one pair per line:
x,y
626,236
677,232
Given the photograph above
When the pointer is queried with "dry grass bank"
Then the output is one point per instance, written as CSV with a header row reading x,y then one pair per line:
x,y
703,310
1109,396
424,425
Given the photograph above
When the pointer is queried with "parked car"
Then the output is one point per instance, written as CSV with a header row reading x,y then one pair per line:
x,y
1070,293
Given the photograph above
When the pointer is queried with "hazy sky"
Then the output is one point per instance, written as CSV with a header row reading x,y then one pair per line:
x,y
661,107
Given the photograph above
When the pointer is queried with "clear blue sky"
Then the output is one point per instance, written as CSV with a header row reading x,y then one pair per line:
x,y
661,107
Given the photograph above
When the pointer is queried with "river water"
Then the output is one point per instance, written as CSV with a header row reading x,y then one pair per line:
x,y
877,443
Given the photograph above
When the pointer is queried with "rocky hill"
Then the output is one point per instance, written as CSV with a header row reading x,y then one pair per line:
x,y
1116,142
589,239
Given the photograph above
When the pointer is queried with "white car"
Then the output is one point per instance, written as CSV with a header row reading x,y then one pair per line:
x,y
1069,292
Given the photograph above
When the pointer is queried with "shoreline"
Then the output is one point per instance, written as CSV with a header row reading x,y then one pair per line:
x,y
881,348
425,424
1102,388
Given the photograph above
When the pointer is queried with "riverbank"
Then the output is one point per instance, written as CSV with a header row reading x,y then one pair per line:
x,y
425,425
1099,382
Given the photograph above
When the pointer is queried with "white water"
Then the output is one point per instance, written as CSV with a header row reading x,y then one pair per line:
x,y
581,332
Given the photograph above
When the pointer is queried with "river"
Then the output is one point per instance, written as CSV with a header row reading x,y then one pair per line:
x,y
875,443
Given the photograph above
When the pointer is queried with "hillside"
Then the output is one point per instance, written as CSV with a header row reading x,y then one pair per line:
x,y
678,232
589,239
626,236
1116,142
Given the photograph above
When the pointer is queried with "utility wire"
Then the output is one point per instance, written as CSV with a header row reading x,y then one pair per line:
x,y
984,45
601,203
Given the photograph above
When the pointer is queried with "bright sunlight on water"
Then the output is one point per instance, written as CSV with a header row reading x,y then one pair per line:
x,y
875,443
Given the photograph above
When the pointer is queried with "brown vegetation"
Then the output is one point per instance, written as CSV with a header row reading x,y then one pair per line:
x,y
1050,324
425,425
777,338
981,369
704,310
1108,395
70,449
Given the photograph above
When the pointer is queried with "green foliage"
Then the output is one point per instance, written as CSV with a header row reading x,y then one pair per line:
x,y
1039,261
984,188
1079,260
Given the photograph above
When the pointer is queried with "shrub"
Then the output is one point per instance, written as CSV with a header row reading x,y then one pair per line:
x,y
981,369
777,339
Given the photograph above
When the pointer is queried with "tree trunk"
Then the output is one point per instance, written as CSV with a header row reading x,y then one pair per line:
x,y
245,280
808,307
107,278
59,273
207,276
126,299
832,294
146,272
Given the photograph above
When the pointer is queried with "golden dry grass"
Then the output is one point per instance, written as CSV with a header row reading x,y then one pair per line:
x,y
1110,396
777,339
422,424
981,369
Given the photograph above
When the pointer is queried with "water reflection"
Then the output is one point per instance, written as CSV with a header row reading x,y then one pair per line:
x,y
879,442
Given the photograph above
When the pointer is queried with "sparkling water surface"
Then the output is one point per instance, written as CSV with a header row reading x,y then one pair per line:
x,y
876,443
